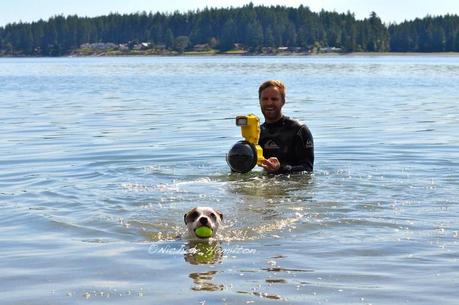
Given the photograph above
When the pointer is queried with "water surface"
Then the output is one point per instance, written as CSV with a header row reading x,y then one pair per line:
x,y
101,157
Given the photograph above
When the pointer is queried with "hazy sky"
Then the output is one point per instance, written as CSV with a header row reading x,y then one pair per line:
x,y
388,10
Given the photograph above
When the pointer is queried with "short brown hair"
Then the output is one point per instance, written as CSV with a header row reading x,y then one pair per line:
x,y
273,83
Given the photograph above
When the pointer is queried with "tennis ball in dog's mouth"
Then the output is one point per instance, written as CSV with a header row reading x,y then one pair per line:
x,y
203,232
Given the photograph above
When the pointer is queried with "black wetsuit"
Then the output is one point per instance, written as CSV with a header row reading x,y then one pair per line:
x,y
289,141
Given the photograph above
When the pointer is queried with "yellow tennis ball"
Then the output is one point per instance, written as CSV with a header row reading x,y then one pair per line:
x,y
203,232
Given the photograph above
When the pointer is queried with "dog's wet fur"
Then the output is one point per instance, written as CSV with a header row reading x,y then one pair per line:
x,y
202,216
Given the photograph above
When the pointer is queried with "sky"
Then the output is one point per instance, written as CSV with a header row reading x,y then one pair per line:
x,y
388,10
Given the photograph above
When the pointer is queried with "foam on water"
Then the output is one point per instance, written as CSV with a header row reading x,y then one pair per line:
x,y
243,226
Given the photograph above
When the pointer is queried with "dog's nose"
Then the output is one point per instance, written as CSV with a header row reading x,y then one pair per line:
x,y
203,220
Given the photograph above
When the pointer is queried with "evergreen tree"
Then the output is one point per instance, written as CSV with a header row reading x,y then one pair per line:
x,y
268,37
169,38
252,26
228,35
254,33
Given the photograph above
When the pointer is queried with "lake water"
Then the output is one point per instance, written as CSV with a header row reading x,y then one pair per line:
x,y
101,157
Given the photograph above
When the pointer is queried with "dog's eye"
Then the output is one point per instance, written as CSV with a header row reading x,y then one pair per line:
x,y
194,215
213,216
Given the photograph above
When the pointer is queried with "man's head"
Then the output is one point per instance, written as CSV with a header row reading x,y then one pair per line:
x,y
272,98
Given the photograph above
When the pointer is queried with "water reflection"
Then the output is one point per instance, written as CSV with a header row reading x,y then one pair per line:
x,y
263,295
89,156
203,281
203,252
199,252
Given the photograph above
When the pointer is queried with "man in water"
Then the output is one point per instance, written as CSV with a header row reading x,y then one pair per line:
x,y
287,144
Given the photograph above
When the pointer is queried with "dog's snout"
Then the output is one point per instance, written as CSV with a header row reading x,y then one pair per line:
x,y
203,220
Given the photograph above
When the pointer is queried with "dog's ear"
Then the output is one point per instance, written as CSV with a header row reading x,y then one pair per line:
x,y
220,214
184,217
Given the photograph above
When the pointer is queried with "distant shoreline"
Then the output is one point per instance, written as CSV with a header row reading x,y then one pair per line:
x,y
241,54
213,52
247,30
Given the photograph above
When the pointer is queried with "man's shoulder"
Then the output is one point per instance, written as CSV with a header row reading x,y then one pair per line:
x,y
298,126
294,123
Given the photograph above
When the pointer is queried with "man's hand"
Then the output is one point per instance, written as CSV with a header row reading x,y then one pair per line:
x,y
271,165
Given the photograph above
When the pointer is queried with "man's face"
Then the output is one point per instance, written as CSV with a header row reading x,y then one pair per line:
x,y
271,104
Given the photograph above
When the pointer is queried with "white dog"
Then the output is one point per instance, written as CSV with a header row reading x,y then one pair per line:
x,y
202,216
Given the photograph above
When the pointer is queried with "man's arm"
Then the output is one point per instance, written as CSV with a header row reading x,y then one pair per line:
x,y
303,153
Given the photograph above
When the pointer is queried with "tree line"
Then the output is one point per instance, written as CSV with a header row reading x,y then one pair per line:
x,y
254,27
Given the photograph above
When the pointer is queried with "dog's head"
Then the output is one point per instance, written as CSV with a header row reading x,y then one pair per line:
x,y
203,216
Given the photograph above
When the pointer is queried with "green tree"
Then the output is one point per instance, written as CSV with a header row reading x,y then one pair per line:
x,y
254,34
169,39
228,35
268,37
254,26
181,43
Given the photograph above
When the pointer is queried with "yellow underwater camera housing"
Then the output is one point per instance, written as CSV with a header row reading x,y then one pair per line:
x,y
245,154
